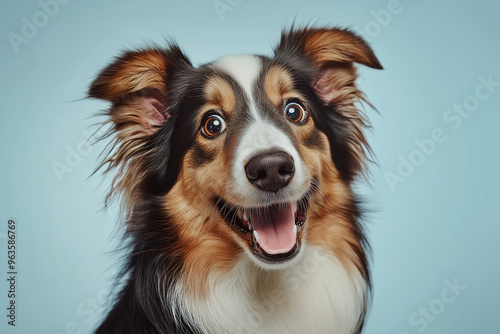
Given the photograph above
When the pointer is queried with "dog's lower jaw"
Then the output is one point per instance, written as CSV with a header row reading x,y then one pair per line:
x,y
317,295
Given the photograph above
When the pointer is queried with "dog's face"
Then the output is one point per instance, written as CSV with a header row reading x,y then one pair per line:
x,y
256,155
243,153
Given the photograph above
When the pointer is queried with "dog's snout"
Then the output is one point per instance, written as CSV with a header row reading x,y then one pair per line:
x,y
270,171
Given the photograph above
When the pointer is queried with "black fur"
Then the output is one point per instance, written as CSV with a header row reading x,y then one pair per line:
x,y
139,308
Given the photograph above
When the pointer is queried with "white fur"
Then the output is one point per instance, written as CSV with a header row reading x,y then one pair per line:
x,y
245,69
317,295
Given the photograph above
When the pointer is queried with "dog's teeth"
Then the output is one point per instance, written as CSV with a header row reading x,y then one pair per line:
x,y
294,207
256,235
294,229
245,215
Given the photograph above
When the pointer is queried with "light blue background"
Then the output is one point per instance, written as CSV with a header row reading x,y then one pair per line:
x,y
441,223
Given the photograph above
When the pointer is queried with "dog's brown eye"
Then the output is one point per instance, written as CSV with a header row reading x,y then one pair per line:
x,y
214,125
294,112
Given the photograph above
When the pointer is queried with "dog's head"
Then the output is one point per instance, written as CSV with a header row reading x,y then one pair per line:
x,y
245,151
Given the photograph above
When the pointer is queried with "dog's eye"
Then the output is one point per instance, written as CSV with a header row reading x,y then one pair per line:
x,y
214,125
294,112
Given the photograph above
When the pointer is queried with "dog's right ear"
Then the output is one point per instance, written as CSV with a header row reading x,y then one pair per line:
x,y
136,84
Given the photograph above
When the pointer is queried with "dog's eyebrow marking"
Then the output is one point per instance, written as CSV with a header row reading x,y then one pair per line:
x,y
278,84
219,92
245,69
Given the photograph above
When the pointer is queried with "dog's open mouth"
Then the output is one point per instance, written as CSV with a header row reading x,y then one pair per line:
x,y
273,231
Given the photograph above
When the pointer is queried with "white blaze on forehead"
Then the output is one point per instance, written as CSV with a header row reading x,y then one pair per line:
x,y
245,69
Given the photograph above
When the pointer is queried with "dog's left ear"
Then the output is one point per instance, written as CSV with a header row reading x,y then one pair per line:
x,y
333,53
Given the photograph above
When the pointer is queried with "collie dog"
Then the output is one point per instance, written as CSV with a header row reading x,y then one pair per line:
x,y
236,183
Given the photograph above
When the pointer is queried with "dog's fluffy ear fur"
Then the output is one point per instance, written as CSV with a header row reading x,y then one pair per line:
x,y
333,52
136,84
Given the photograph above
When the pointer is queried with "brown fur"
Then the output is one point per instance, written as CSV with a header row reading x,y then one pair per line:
x,y
337,45
134,71
207,243
220,95
278,84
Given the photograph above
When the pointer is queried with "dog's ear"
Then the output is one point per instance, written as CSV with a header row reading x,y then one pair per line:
x,y
136,84
333,54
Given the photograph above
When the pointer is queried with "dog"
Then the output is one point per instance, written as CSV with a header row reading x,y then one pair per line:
x,y
235,179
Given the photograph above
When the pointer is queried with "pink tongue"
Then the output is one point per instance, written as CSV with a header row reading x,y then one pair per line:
x,y
274,225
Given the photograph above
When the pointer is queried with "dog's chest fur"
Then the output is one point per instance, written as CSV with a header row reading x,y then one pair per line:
x,y
318,295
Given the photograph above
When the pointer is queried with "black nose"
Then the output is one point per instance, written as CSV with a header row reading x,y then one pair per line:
x,y
270,171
